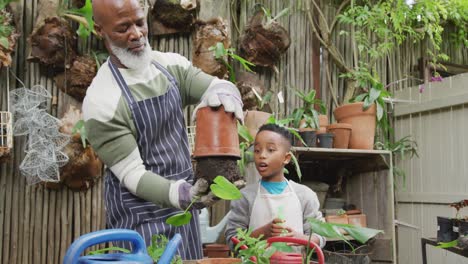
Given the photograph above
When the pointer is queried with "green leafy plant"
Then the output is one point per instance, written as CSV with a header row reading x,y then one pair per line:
x,y
221,187
269,17
84,16
79,127
245,153
307,112
256,247
450,244
401,149
107,249
157,248
5,28
361,234
222,54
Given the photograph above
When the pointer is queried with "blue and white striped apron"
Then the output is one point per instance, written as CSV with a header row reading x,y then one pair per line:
x,y
163,144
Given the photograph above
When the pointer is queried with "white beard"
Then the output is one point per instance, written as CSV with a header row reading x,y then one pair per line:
x,y
134,61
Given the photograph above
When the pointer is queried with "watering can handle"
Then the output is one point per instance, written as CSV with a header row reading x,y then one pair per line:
x,y
102,236
236,241
320,256
170,250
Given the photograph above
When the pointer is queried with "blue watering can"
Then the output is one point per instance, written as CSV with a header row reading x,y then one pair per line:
x,y
139,255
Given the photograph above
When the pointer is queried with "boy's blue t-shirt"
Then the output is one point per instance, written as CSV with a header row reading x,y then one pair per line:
x,y
274,187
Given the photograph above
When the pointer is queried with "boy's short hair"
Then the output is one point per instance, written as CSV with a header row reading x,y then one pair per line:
x,y
279,130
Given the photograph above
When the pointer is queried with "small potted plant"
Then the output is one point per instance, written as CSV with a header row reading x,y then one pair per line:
x,y
306,118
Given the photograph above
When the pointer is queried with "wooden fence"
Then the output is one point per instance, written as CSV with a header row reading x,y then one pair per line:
x,y
37,225
438,121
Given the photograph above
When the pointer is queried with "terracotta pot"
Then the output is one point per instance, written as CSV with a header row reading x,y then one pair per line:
x,y
321,130
323,120
363,123
342,132
217,251
253,120
358,220
219,261
216,133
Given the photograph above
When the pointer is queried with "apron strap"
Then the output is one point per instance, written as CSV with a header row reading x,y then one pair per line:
x,y
123,85
166,73
121,82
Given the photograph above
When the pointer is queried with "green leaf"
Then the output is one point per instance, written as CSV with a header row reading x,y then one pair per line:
x,y
224,189
179,219
360,98
380,111
244,132
296,165
4,42
361,234
86,11
367,104
450,244
374,94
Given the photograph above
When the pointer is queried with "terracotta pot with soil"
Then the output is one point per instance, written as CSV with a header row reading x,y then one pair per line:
x,y
52,44
342,132
206,35
263,44
76,81
216,144
362,122
171,17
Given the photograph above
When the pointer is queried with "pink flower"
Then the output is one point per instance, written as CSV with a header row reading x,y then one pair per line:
x,y
436,78
421,88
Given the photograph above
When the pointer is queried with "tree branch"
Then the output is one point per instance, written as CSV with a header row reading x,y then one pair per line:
x,y
343,5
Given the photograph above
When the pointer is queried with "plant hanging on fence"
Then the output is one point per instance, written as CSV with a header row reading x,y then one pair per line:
x,y
8,34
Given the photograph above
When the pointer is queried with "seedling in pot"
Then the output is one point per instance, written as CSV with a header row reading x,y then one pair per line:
x,y
221,187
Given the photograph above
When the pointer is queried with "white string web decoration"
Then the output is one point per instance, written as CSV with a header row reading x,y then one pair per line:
x,y
43,149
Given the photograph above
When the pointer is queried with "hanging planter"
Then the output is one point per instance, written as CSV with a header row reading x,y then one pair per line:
x,y
264,43
208,34
52,44
171,17
76,81
216,145
83,168
250,87
8,37
6,135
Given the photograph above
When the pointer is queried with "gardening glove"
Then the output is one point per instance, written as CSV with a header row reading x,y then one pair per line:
x,y
222,93
182,193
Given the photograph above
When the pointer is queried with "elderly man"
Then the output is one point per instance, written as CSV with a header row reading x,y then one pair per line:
x,y
134,119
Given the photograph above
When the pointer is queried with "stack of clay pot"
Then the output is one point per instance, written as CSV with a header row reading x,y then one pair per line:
x,y
355,128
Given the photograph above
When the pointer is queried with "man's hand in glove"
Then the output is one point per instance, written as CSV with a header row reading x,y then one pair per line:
x,y
222,93
182,193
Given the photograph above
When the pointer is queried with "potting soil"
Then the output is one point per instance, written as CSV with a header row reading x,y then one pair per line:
x,y
210,167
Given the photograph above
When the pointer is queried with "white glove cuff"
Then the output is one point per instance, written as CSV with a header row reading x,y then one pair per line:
x,y
174,193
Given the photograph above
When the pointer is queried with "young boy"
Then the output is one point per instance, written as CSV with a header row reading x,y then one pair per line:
x,y
274,206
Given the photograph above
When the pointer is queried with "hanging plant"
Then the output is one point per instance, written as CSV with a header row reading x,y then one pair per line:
x,y
76,81
207,35
53,44
83,168
251,89
170,16
264,39
8,34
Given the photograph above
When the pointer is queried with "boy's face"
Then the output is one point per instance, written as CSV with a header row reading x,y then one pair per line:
x,y
271,154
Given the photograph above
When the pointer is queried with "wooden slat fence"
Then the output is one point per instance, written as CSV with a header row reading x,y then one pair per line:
x,y
437,120
37,225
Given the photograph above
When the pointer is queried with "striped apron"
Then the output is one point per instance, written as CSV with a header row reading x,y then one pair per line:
x,y
163,144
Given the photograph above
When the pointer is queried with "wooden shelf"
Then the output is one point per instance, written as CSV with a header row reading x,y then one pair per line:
x,y
357,160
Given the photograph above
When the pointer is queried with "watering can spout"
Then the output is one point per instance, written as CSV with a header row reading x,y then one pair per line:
x,y
211,233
